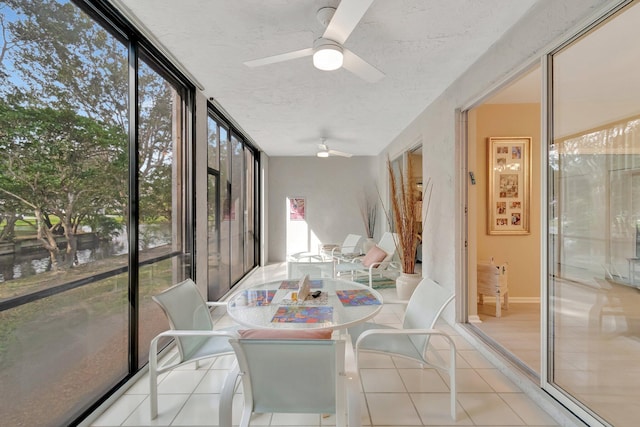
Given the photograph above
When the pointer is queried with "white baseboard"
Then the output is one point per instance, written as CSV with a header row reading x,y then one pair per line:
x,y
514,300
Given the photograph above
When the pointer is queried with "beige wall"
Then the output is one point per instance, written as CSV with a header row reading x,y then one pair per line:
x,y
521,252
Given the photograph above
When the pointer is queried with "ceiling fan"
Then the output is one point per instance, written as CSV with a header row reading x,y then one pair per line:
x,y
324,151
328,51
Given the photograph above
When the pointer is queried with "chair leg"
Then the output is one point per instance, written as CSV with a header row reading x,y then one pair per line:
x,y
153,393
226,396
452,381
153,378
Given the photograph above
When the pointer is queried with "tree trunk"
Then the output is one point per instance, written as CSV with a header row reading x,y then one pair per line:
x,y
8,233
48,240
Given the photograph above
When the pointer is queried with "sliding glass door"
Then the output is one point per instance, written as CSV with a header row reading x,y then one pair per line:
x,y
594,221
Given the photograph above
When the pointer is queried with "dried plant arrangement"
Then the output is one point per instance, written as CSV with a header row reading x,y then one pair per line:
x,y
409,207
369,213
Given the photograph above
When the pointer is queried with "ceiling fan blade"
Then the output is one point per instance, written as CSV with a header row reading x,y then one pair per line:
x,y
339,153
280,58
360,67
345,19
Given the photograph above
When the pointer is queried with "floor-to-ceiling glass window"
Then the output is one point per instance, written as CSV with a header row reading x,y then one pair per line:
x,y
213,209
237,213
93,201
250,236
161,191
232,171
594,218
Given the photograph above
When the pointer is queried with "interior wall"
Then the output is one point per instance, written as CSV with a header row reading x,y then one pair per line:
x,y
521,252
546,24
331,188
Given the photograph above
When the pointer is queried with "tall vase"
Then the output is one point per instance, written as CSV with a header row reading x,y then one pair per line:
x,y
368,244
406,283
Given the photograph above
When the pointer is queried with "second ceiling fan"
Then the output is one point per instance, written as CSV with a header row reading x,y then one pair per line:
x,y
328,51
324,151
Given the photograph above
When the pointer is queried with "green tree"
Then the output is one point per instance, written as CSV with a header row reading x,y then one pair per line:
x,y
59,57
57,162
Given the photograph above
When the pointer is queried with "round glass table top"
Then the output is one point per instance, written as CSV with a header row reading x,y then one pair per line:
x,y
332,304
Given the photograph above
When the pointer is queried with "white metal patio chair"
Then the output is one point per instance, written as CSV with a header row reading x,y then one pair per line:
x,y
413,341
191,327
350,248
293,376
376,265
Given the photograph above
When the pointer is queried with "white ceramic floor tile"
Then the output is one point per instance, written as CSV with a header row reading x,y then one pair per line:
x,y
199,410
392,409
435,410
460,362
526,409
381,380
296,419
168,407
181,381
119,411
498,381
212,381
488,409
461,343
224,362
403,363
468,381
422,380
142,385
475,359
373,360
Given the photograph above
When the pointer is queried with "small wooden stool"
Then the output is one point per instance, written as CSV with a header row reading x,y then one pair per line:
x,y
492,280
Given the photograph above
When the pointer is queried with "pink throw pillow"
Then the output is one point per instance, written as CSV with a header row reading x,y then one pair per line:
x,y
374,255
285,334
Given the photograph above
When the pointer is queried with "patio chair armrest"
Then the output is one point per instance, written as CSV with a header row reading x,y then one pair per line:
x,y
371,332
216,303
153,347
381,263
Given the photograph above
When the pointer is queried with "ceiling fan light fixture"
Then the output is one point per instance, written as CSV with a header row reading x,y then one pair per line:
x,y
323,154
327,55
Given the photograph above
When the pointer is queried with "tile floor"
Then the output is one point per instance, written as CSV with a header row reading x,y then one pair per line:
x,y
396,392
517,331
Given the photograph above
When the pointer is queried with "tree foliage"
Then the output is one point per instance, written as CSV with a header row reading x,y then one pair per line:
x,y
58,162
64,114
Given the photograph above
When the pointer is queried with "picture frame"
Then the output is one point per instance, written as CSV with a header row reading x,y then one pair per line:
x,y
297,208
509,185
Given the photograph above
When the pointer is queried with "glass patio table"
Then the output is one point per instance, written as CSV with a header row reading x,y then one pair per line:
x,y
340,305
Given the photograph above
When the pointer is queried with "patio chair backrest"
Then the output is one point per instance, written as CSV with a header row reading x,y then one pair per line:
x,y
186,309
352,243
388,243
425,306
292,375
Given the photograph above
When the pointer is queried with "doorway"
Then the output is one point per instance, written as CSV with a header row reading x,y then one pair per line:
x,y
503,149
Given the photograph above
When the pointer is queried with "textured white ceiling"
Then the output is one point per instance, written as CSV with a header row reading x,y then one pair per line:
x,y
421,46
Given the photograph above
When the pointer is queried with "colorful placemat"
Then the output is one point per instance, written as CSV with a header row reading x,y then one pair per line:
x,y
298,314
293,284
354,297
